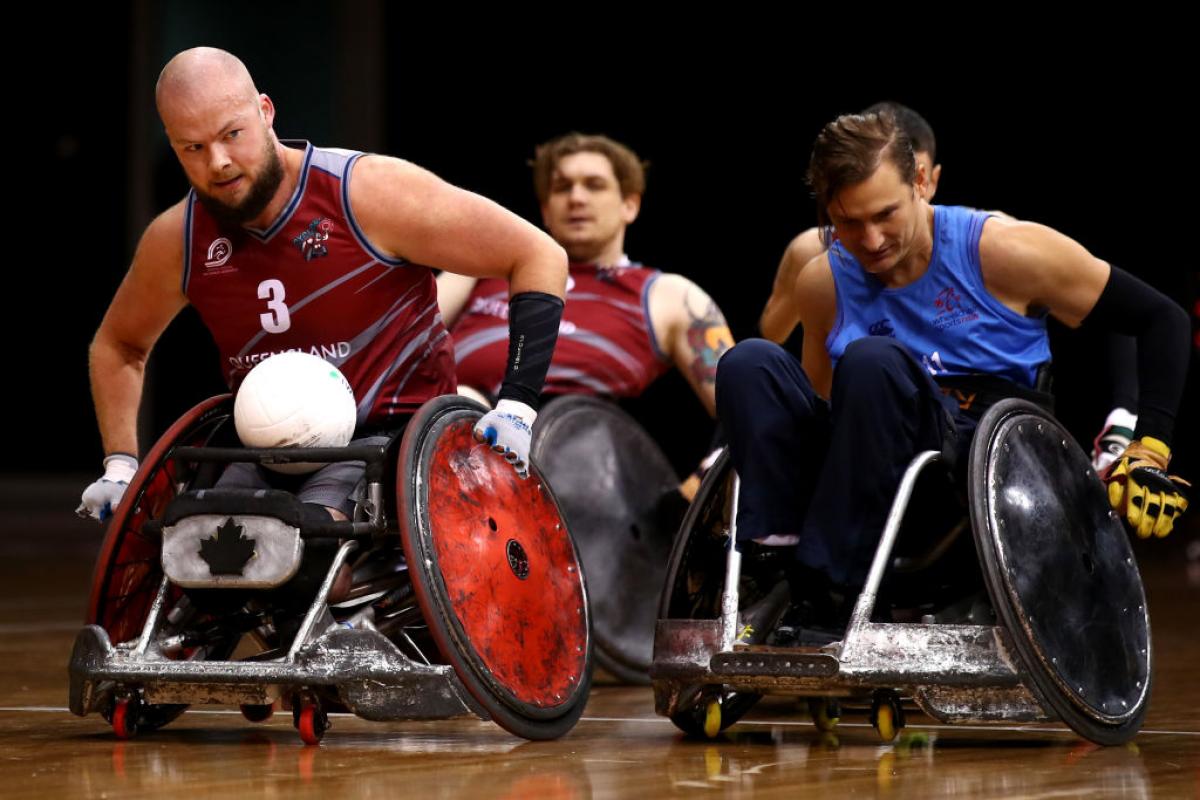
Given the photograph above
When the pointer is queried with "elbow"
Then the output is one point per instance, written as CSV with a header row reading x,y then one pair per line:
x,y
558,256
767,326
1179,320
554,266
108,352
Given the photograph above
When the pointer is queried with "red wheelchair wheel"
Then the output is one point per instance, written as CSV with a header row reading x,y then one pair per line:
x,y
495,572
129,568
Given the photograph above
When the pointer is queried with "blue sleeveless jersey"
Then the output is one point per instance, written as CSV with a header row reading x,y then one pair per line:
x,y
946,317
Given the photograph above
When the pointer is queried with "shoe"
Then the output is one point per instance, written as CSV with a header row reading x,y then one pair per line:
x,y
818,614
796,629
759,619
974,609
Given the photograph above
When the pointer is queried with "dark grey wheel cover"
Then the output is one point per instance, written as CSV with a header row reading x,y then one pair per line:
x,y
1060,571
608,476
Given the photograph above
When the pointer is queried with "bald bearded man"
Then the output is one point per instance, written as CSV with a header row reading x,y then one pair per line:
x,y
284,246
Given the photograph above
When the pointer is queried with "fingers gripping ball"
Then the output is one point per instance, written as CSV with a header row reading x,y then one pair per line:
x,y
1141,491
295,399
508,428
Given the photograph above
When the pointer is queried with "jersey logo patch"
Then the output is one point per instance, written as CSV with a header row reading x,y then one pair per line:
x,y
311,241
882,327
952,310
933,364
219,253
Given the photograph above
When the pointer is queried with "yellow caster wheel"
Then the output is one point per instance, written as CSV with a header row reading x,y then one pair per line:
x,y
825,713
886,716
711,710
712,718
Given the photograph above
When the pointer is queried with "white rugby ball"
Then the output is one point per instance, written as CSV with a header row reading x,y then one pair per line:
x,y
295,400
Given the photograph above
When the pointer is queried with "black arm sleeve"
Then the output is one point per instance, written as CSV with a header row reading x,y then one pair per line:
x,y
533,319
1122,362
1129,306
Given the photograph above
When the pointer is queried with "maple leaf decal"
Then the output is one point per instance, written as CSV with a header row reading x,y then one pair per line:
x,y
228,551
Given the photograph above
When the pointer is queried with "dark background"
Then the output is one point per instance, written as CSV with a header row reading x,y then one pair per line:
x,y
1093,142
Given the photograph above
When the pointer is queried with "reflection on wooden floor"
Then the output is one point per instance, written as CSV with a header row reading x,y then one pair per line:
x,y
619,749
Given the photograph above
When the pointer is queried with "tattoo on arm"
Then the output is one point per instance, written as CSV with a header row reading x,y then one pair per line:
x,y
708,337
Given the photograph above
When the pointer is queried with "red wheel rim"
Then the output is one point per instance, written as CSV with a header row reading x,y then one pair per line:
x,y
510,573
495,572
128,569
312,729
121,721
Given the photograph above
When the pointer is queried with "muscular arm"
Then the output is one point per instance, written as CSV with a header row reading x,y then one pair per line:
x,y
692,332
780,316
453,292
408,212
1030,266
147,300
816,303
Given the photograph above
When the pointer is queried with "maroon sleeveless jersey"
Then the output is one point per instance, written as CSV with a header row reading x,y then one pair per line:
x,y
606,345
312,282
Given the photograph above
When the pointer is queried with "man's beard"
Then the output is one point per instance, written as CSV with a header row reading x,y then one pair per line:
x,y
262,190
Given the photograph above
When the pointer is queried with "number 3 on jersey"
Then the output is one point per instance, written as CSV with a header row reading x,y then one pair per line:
x,y
277,319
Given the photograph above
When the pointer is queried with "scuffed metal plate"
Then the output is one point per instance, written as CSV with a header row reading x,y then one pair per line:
x,y
372,676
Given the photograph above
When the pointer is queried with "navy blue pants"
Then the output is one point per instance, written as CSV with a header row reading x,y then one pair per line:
x,y
829,472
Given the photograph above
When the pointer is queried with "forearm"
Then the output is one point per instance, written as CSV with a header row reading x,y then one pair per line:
x,y
1162,372
533,321
1129,306
778,320
117,374
537,284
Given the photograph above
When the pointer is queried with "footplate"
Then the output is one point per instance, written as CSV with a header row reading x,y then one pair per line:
x,y
372,677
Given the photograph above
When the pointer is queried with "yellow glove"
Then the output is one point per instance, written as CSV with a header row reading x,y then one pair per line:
x,y
1142,492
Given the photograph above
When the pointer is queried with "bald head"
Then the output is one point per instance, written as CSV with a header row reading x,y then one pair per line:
x,y
220,128
201,78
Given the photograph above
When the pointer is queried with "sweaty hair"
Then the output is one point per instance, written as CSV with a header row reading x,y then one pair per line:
x,y
849,150
629,169
915,126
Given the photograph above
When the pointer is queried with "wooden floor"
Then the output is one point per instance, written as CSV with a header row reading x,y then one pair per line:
x,y
619,749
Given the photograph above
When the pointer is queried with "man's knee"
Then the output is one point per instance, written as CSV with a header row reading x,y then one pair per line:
x,y
873,359
747,360
875,350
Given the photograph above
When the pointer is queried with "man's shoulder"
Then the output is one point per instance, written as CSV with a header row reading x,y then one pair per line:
x,y
386,185
670,283
672,296
805,247
162,244
1004,239
374,166
169,223
816,292
815,273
